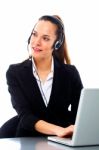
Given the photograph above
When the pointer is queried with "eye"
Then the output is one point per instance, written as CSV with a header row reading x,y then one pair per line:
x,y
46,38
34,34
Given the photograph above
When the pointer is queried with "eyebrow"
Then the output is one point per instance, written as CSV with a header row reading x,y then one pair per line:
x,y
43,35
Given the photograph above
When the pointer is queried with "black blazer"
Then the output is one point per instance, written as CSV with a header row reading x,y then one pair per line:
x,y
27,100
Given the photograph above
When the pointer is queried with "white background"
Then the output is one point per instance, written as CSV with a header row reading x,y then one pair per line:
x,y
17,18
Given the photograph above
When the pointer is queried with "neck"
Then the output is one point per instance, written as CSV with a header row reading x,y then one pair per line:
x,y
43,64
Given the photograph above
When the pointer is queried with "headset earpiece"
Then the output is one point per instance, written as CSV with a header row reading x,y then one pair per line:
x,y
59,42
57,45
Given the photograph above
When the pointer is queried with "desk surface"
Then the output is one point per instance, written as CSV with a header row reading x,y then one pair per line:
x,y
36,144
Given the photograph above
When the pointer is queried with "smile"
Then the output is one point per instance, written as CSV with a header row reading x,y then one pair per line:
x,y
36,49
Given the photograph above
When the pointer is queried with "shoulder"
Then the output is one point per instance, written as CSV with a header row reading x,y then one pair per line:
x,y
17,67
71,69
68,68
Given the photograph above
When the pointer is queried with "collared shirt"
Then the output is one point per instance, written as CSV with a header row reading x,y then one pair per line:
x,y
44,86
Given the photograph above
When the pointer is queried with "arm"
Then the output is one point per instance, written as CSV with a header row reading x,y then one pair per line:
x,y
76,90
51,129
20,100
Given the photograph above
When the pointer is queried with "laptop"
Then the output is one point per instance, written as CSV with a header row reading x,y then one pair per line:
x,y
86,131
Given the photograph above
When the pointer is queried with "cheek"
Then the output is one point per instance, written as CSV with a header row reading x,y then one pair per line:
x,y
53,44
48,47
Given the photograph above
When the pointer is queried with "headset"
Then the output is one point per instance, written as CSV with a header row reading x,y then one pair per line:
x,y
60,25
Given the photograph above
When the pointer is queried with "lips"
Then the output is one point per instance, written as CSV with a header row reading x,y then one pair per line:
x,y
36,49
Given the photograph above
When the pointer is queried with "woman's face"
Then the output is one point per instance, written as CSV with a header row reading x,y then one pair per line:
x,y
42,39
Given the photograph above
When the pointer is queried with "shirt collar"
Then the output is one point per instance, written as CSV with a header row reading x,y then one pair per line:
x,y
34,66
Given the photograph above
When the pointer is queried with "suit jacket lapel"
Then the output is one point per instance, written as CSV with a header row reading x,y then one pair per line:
x,y
30,84
57,84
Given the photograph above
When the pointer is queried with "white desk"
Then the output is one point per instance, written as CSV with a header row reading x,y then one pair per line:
x,y
36,144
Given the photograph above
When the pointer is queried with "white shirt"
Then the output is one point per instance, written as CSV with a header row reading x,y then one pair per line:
x,y
44,86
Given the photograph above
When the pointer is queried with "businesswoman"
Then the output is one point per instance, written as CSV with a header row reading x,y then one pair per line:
x,y
45,88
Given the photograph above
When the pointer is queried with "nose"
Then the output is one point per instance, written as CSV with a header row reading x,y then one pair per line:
x,y
38,41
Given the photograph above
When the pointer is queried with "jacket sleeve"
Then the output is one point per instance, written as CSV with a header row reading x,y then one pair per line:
x,y
76,90
19,101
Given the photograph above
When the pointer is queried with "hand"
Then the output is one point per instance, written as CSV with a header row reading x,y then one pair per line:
x,y
66,132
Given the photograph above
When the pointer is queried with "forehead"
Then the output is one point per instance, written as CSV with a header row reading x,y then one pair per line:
x,y
45,27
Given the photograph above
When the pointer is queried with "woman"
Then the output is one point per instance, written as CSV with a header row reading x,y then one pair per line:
x,y
45,89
